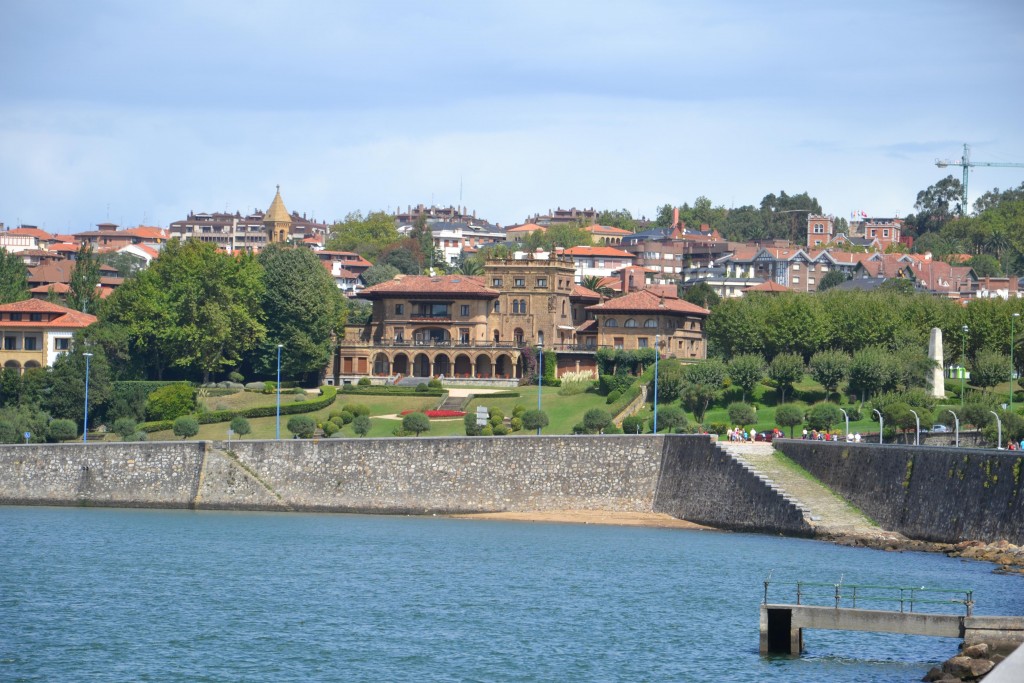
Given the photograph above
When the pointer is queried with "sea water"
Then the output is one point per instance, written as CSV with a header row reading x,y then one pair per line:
x,y
158,595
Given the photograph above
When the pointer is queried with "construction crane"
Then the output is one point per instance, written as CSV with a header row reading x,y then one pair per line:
x,y
966,162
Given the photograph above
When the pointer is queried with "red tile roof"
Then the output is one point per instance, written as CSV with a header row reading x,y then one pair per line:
x,y
32,232
66,317
598,251
768,286
581,292
606,230
646,301
527,227
145,232
64,247
57,287
463,286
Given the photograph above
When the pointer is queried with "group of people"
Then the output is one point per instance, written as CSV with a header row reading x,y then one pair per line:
x,y
815,435
740,434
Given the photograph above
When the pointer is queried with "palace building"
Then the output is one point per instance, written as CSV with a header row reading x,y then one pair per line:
x,y
482,327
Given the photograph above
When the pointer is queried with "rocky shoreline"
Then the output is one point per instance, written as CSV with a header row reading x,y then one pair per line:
x,y
972,664
1008,558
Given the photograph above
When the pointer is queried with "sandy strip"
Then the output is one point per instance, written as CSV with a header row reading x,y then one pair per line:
x,y
647,519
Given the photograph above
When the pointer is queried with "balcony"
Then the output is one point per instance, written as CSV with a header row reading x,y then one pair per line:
x,y
427,343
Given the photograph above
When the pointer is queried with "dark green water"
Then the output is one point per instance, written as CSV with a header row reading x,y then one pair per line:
x,y
144,595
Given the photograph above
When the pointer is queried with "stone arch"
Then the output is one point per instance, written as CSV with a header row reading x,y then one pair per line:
x,y
29,365
421,365
484,367
442,365
13,365
400,365
517,336
463,366
381,364
503,366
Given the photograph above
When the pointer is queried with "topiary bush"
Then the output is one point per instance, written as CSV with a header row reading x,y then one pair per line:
x,y
421,387
535,419
236,377
330,428
62,430
365,382
346,417
434,383
633,424
487,430
186,426
472,428
613,397
516,423
500,430
595,420
302,426
240,426
417,423
361,425
356,409
125,427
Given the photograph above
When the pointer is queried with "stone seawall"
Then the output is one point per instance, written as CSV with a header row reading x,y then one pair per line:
x,y
945,495
702,483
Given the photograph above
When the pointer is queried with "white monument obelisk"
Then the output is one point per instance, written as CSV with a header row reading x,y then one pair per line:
x,y
937,382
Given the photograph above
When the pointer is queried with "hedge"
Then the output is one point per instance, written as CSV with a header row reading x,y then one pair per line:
x,y
214,416
499,394
632,392
379,390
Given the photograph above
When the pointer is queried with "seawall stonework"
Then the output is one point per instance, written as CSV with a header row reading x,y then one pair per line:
x,y
933,494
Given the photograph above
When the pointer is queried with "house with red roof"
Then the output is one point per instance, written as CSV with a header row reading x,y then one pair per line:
x,y
643,319
35,332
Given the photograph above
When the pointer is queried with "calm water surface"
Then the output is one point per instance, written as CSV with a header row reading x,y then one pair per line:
x,y
119,595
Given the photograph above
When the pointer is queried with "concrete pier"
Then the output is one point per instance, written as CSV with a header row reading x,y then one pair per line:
x,y
782,625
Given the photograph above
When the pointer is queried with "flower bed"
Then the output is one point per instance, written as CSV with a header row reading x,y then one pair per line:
x,y
436,413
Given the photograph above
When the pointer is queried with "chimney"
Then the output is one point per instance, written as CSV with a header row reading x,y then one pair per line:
x,y
675,216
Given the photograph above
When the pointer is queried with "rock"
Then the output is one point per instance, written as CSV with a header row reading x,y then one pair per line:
x,y
995,659
979,651
934,674
959,666
980,667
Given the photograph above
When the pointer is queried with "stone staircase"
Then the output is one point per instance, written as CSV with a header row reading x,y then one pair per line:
x,y
828,514
454,402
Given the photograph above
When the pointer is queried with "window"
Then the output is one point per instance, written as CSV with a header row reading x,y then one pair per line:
x,y
519,282
618,343
885,233
542,282
796,281
819,228
15,317
399,334
611,322
630,322
650,322
464,335
35,317
517,335
464,309
796,266
497,307
30,343
522,306
810,280
399,309
641,343
61,343
515,306
540,337
563,307
10,343
496,282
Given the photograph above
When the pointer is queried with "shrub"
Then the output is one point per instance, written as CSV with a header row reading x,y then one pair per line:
x,y
9,433
486,430
240,426
742,414
236,377
365,382
518,410
434,383
302,426
170,402
472,428
346,417
361,425
125,427
356,409
823,416
330,428
595,420
421,387
612,429
633,424
535,419
497,417
609,383
613,397
186,426
789,415
516,423
417,423
137,436
500,430
62,430
670,419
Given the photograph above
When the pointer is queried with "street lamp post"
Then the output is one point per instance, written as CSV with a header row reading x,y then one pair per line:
x,y
999,431
85,418
1015,315
917,429
540,375
881,424
957,420
963,363
657,338
278,423
847,416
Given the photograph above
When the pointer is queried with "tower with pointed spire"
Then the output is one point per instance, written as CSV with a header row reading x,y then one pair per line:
x,y
277,221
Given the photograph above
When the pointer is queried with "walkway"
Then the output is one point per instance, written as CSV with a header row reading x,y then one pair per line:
x,y
830,515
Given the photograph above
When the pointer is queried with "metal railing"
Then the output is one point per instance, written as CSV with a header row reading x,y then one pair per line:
x,y
429,343
850,595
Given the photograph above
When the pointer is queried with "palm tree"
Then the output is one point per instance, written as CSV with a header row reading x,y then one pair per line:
x,y
593,283
469,266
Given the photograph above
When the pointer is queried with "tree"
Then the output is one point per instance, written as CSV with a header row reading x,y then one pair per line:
x,y
700,294
171,401
370,236
822,416
65,396
789,415
595,420
746,371
786,369
742,414
989,368
13,278
186,426
786,215
744,223
302,426
10,387
619,219
83,287
829,368
403,259
125,427
535,419
417,423
240,426
124,263
703,382
593,283
670,419
937,205
304,312
831,279
985,265
361,425
871,371
62,430
382,272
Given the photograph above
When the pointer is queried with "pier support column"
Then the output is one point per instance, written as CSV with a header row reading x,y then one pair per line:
x,y
778,635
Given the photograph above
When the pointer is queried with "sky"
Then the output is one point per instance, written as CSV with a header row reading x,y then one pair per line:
x,y
139,112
